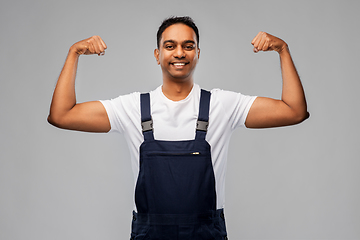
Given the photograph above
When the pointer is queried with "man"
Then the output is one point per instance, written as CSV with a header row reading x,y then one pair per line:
x,y
178,134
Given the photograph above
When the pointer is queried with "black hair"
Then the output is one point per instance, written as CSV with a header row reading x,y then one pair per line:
x,y
173,20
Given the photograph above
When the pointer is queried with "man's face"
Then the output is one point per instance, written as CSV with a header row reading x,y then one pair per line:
x,y
178,53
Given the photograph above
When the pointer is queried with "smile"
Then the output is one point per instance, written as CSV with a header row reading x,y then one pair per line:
x,y
179,65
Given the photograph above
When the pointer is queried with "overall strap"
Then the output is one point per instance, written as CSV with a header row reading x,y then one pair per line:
x,y
146,120
203,118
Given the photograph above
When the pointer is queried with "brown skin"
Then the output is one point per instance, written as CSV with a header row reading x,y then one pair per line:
x,y
64,111
178,45
292,108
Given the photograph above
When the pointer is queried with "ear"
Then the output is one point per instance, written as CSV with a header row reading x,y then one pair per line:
x,y
156,55
198,53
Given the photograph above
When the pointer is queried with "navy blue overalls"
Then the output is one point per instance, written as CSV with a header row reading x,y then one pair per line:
x,y
175,192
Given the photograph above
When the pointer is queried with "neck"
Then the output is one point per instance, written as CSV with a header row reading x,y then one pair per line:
x,y
177,91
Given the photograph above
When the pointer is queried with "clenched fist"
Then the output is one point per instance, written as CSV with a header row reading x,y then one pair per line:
x,y
267,42
92,45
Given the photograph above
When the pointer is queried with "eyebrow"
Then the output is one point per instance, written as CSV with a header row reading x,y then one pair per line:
x,y
172,41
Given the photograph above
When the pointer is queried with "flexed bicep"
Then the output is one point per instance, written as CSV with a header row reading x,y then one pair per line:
x,y
268,112
88,117
292,108
65,112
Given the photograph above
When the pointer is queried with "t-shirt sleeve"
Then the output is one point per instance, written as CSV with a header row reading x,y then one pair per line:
x,y
122,111
235,105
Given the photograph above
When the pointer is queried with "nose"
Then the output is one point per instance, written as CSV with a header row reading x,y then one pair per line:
x,y
179,52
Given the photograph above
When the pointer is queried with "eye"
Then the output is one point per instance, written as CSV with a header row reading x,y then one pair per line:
x,y
169,47
189,47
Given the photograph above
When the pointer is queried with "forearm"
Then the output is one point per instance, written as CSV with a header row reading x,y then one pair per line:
x,y
64,97
292,90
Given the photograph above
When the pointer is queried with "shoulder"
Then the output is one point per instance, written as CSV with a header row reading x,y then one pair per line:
x,y
226,97
232,105
123,103
131,100
127,98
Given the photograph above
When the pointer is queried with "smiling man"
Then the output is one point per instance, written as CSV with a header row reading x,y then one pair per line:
x,y
178,134
178,54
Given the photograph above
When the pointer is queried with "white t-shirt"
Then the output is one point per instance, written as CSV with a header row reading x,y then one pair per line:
x,y
176,120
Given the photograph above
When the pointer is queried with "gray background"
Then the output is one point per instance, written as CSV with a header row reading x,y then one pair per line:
x,y
298,182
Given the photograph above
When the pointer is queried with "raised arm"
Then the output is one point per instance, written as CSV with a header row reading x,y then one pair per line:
x,y
64,111
292,108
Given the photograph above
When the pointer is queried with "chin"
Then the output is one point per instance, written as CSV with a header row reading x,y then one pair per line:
x,y
181,79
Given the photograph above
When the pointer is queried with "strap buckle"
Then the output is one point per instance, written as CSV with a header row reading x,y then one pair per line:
x,y
202,126
147,125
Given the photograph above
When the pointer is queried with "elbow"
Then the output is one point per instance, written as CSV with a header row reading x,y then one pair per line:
x,y
50,120
307,115
300,117
55,121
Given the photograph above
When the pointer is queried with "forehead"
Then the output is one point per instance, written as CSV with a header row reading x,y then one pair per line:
x,y
178,32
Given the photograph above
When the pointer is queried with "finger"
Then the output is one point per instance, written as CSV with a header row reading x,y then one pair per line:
x,y
262,43
102,46
94,48
98,44
255,38
255,50
103,43
258,40
266,46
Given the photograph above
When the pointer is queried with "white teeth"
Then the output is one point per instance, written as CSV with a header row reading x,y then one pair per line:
x,y
179,64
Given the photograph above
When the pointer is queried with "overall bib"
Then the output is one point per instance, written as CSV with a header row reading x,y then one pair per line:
x,y
175,192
